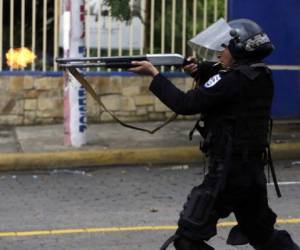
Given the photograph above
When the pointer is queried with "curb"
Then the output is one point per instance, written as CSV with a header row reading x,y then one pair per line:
x,y
145,156
107,157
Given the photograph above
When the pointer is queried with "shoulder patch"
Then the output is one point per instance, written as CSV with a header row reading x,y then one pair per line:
x,y
212,81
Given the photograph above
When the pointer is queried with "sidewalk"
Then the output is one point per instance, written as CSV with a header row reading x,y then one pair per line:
x,y
33,147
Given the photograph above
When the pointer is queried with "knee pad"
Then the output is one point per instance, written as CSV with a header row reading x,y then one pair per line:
x,y
198,219
236,237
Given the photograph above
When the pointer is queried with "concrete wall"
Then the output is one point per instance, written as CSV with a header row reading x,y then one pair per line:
x,y
32,100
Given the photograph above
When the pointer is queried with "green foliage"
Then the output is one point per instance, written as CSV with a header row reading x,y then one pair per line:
x,y
120,9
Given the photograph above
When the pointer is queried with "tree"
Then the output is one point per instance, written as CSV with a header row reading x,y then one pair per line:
x,y
120,9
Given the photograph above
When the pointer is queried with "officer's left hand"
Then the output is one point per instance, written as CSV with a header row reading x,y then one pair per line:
x,y
192,67
144,68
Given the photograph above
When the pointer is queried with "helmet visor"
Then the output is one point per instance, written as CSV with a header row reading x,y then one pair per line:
x,y
210,41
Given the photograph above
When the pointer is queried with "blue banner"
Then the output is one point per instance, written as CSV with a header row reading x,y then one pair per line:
x,y
281,21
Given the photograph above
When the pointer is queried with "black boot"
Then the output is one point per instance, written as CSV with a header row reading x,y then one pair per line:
x,y
281,240
185,244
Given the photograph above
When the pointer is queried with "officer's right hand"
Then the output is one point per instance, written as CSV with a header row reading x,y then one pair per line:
x,y
144,68
192,67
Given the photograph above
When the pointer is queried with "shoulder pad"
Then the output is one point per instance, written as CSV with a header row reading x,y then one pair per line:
x,y
250,71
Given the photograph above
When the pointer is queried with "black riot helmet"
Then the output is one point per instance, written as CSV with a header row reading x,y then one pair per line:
x,y
248,40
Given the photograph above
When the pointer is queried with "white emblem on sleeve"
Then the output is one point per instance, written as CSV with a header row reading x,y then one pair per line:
x,y
212,81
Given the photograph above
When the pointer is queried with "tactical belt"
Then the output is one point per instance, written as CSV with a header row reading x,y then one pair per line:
x,y
267,152
74,72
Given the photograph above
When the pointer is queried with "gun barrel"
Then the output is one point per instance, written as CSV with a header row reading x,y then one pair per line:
x,y
122,61
117,65
102,59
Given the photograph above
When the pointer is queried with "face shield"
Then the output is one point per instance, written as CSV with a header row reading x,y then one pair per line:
x,y
209,42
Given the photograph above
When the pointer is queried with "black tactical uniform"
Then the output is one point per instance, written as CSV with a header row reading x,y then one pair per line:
x,y
235,105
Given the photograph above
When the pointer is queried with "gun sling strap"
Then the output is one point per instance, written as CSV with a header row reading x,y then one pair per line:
x,y
74,72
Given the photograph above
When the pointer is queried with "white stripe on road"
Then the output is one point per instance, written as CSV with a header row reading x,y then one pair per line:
x,y
284,67
285,183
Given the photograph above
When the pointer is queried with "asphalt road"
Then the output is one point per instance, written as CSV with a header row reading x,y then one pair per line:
x,y
116,208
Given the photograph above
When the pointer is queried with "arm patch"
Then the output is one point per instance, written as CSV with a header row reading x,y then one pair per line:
x,y
212,81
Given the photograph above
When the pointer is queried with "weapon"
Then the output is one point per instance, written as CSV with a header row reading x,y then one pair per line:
x,y
73,64
122,61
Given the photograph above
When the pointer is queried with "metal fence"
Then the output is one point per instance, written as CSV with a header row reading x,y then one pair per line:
x,y
157,26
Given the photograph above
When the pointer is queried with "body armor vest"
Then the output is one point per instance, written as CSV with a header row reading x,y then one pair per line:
x,y
248,117
252,122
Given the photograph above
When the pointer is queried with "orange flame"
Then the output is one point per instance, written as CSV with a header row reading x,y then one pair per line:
x,y
19,58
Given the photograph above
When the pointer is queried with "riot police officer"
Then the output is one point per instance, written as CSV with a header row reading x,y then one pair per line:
x,y
234,98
